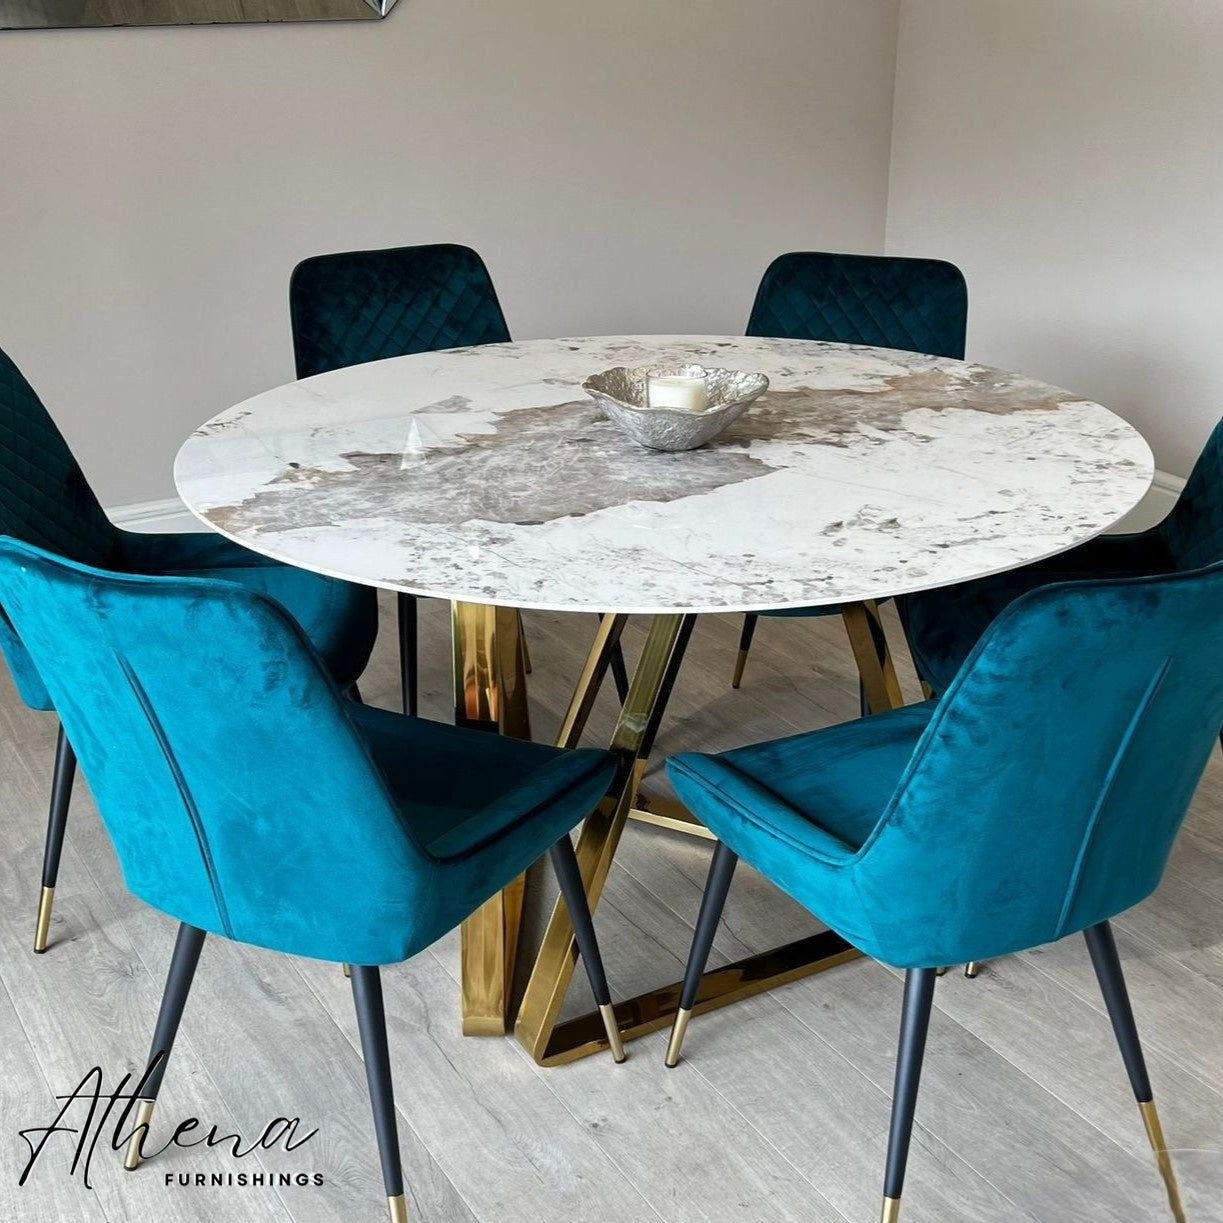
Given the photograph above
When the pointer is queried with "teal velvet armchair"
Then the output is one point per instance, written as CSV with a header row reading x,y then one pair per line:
x,y
1037,798
917,305
191,701
357,306
46,500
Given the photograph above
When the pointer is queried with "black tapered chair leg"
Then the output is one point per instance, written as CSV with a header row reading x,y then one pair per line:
x,y
178,985
569,877
1107,963
354,693
914,1024
407,651
371,1021
57,822
745,644
721,871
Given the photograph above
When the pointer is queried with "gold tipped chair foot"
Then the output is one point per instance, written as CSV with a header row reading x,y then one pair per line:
x,y
144,1115
891,1210
678,1028
613,1032
347,970
46,898
399,1208
972,969
1150,1119
740,663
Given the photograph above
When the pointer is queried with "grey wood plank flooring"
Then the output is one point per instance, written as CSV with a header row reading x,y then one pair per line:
x,y
779,1112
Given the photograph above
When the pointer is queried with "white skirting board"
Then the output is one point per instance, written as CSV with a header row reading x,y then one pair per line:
x,y
170,515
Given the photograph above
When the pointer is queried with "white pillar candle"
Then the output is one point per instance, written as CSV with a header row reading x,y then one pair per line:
x,y
678,392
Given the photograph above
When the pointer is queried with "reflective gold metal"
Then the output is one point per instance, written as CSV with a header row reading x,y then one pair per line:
x,y
399,1208
347,969
1155,1133
740,663
874,662
490,693
667,813
678,1027
614,1043
46,898
971,969
551,1043
891,1210
144,1115
598,660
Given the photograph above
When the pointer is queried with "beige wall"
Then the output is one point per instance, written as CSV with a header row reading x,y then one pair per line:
x,y
622,166
1067,154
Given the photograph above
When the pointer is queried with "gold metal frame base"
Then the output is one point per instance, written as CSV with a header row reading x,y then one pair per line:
x,y
144,1115
1155,1133
891,1210
669,814
584,1035
399,1208
46,898
678,1028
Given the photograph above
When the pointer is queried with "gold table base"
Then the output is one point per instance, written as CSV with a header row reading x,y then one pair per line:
x,y
491,692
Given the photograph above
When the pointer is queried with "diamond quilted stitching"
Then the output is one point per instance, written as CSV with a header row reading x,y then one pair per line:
x,y
366,305
919,305
44,496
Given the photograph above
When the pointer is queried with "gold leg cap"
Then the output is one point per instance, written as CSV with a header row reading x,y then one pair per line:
x,y
612,1028
678,1028
891,1210
941,972
144,1114
398,1208
347,970
740,663
1155,1133
971,969
46,898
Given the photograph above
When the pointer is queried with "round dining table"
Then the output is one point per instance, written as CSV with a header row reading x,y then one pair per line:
x,y
486,476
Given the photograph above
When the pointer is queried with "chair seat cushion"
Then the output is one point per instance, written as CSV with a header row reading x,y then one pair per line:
x,y
458,790
823,791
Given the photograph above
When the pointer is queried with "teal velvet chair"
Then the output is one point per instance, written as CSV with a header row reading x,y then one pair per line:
x,y
944,625
191,701
1037,798
917,305
46,500
359,306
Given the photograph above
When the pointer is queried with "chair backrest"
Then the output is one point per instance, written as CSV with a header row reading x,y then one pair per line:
x,y
44,500
1047,790
1193,531
238,794
918,305
362,306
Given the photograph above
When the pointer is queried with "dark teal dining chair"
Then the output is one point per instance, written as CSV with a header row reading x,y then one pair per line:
x,y
358,306
46,500
943,625
1037,798
916,305
191,701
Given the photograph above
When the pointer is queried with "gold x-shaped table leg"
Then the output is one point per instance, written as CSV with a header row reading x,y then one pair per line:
x,y
552,1043
490,693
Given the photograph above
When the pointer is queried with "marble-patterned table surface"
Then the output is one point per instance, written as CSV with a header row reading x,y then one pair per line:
x,y
486,474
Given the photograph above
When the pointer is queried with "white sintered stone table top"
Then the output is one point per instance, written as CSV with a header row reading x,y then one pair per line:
x,y
487,474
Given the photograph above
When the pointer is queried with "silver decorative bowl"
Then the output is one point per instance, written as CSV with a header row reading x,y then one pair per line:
x,y
621,393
